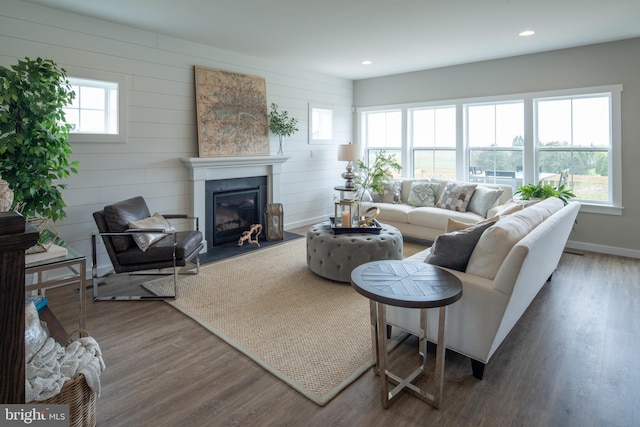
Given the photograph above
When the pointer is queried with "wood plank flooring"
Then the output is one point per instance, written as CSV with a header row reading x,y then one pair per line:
x,y
572,360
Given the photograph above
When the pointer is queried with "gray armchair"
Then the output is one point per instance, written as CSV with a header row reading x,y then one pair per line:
x,y
177,250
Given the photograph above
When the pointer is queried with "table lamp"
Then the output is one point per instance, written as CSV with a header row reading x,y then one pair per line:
x,y
349,153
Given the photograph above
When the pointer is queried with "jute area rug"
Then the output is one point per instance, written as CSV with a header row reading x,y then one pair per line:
x,y
314,334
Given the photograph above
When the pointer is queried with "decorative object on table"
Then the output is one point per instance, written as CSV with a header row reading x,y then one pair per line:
x,y
371,177
251,235
282,125
231,112
275,221
346,213
374,228
367,219
47,234
349,153
35,153
543,191
6,196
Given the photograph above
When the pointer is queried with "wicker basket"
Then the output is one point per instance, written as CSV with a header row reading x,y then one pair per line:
x,y
81,400
78,395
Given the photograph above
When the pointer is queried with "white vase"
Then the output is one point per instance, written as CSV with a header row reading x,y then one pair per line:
x,y
6,196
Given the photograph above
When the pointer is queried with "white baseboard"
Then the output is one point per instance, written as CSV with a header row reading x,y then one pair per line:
x,y
610,250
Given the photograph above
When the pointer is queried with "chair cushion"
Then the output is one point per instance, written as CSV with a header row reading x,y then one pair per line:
x,y
118,216
160,254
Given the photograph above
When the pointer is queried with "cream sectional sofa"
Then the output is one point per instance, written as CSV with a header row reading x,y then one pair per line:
x,y
509,264
429,222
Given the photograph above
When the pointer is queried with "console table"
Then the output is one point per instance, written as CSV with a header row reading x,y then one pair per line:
x,y
412,285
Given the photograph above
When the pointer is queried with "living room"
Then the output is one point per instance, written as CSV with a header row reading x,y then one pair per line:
x,y
161,119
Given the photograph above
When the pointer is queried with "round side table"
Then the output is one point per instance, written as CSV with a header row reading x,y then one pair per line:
x,y
412,285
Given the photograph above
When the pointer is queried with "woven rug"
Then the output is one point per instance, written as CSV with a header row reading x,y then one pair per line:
x,y
314,334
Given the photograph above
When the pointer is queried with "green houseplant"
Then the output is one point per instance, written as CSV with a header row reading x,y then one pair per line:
x,y
34,147
371,176
543,191
281,124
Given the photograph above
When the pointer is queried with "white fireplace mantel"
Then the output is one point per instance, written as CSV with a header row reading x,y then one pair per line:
x,y
203,169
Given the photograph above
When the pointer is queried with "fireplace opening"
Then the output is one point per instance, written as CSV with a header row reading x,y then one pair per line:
x,y
233,205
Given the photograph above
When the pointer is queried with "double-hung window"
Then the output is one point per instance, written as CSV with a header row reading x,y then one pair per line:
x,y
574,136
383,131
432,141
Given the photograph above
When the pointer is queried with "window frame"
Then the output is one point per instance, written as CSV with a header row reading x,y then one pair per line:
x,y
530,152
122,82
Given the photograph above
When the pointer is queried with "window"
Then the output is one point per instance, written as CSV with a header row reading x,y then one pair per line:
x,y
573,134
382,130
569,137
98,112
321,127
95,107
495,141
432,139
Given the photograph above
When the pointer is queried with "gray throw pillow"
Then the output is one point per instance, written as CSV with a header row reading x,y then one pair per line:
x,y
453,250
483,199
423,194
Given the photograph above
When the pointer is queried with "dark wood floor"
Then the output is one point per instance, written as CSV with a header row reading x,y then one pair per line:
x,y
572,360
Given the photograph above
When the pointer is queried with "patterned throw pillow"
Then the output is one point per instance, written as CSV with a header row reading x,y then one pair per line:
x,y
156,221
423,194
456,196
390,192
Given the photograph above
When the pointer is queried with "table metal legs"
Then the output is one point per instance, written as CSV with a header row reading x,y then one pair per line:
x,y
381,354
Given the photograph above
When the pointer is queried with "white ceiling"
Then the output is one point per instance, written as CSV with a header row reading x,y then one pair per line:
x,y
334,36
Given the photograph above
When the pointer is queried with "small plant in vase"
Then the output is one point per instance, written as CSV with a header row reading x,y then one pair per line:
x,y
282,125
372,176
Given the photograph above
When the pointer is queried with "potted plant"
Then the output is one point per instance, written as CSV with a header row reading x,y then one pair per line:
x,y
371,176
34,147
543,191
281,124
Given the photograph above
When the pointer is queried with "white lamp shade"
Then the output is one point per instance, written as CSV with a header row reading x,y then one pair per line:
x,y
348,152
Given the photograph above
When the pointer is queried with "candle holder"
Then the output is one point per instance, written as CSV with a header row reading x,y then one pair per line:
x,y
345,213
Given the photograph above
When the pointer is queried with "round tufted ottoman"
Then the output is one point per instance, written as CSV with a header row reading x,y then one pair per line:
x,y
333,256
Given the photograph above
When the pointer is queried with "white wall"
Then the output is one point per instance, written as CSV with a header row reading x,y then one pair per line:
x,y
596,65
162,118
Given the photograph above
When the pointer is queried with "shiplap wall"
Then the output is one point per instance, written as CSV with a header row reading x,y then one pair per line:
x,y
161,115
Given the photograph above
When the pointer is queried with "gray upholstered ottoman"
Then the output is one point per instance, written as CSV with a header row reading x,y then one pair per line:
x,y
334,256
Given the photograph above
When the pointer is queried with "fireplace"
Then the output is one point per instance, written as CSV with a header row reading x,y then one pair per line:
x,y
204,169
232,206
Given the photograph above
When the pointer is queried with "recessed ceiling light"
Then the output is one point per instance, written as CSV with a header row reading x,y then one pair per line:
x,y
367,62
526,33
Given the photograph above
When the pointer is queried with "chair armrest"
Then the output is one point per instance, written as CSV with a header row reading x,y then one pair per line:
x,y
184,216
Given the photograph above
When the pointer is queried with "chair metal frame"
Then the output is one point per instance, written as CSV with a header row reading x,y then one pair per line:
x,y
188,268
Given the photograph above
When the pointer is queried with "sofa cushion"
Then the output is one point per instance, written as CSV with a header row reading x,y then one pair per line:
x,y
453,225
118,215
423,194
452,250
456,196
406,187
483,199
437,218
157,221
509,207
496,242
394,212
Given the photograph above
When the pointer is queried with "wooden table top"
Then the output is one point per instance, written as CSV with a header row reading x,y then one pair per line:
x,y
406,284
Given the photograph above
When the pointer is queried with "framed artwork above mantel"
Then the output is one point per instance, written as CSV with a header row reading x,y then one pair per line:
x,y
231,110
